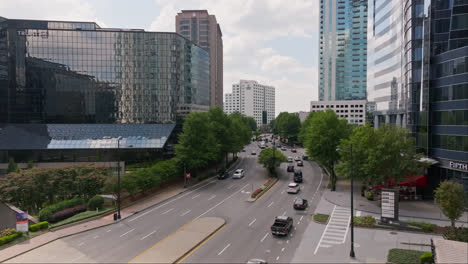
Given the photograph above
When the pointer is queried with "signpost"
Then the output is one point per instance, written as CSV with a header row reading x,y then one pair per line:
x,y
22,222
389,205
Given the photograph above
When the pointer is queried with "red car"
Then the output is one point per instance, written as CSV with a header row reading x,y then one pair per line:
x,y
293,150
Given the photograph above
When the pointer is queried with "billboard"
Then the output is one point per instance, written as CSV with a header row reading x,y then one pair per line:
x,y
22,222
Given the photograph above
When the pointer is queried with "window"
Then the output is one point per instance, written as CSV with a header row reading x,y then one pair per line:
x,y
184,22
460,22
184,27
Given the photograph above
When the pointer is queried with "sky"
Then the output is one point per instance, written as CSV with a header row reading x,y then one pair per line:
x,y
274,42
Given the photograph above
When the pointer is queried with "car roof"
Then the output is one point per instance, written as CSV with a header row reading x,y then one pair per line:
x,y
298,200
239,170
282,217
293,184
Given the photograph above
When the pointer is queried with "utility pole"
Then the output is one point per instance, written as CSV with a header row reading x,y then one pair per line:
x,y
118,178
351,254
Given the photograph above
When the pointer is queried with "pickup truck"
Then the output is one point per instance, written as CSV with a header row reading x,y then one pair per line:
x,y
282,225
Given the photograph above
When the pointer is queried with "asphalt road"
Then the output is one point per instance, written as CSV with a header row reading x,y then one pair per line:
x,y
245,236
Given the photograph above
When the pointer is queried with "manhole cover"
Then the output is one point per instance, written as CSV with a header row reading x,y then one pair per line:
x,y
393,233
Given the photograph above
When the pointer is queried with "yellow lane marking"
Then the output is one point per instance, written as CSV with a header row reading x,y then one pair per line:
x,y
199,246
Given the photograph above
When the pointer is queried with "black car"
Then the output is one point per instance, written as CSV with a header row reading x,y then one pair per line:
x,y
253,152
300,163
223,175
290,168
300,204
305,157
297,176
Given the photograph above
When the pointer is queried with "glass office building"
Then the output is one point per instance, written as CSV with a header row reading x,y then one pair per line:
x,y
343,50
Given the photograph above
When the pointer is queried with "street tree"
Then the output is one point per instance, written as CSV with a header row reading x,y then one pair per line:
x,y
322,137
221,126
451,199
252,123
287,125
271,158
241,132
304,125
12,166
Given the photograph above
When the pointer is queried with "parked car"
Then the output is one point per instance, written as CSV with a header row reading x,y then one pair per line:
x,y
297,158
253,152
290,159
297,176
305,157
282,225
290,168
293,188
300,204
293,150
239,173
223,175
300,163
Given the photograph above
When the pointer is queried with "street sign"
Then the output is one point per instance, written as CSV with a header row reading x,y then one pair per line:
x,y
187,175
389,205
22,222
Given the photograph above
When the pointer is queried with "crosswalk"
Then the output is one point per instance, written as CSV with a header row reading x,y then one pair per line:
x,y
337,228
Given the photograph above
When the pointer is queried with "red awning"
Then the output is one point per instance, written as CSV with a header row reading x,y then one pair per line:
x,y
415,181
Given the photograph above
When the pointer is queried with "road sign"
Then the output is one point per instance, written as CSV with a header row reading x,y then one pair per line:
x,y
389,205
22,222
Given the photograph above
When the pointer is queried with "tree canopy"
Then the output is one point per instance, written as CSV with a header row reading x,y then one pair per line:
x,y
287,125
451,199
271,158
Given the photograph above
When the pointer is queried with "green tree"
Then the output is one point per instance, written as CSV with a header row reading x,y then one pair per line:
x,y
287,125
197,145
451,199
271,158
322,137
12,166
252,123
304,125
241,133
220,124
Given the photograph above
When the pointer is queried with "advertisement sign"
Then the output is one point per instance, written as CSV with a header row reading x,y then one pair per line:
x,y
389,205
22,222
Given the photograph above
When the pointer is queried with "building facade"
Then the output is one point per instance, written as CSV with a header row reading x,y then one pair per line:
x,y
343,50
77,72
203,29
252,99
354,111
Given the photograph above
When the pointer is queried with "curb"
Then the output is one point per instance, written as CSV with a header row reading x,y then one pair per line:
x,y
118,221
251,200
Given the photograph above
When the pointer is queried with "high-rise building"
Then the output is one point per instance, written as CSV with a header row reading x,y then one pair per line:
x,y
343,50
354,111
252,99
204,30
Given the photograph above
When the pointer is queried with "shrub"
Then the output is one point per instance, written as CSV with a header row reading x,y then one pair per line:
x,y
457,234
7,232
39,226
95,202
426,258
426,227
47,212
365,221
321,218
370,196
397,255
64,214
8,239
256,192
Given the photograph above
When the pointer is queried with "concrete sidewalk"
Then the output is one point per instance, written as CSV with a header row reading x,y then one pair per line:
x,y
422,210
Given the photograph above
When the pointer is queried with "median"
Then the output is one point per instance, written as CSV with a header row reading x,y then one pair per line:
x,y
262,190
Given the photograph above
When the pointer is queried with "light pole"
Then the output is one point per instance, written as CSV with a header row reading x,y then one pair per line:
x,y
118,177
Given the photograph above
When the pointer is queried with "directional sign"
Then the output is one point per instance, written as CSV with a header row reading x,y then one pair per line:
x,y
389,205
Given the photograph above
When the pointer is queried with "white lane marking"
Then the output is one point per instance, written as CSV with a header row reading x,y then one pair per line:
x,y
211,197
282,249
336,230
264,237
282,192
186,212
298,222
270,204
195,196
168,211
148,234
108,230
230,186
80,244
127,232
95,237
221,252
284,213
251,223
287,241
277,257
358,213
301,218
168,202
207,211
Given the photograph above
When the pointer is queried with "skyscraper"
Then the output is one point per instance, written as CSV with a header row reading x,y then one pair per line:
x,y
204,30
343,50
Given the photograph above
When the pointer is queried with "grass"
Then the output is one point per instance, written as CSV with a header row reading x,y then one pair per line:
x,y
81,216
24,237
426,227
396,255
364,221
321,218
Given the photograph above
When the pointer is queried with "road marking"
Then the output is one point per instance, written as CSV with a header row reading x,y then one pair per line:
x,y
75,259
270,204
284,213
207,211
287,241
195,196
148,234
358,213
168,202
277,257
301,218
299,222
127,232
221,252
251,223
108,230
168,211
186,212
336,230
211,197
80,244
282,192
95,237
230,186
282,249
264,237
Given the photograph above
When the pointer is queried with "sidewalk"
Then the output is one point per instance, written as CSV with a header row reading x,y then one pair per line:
x,y
414,210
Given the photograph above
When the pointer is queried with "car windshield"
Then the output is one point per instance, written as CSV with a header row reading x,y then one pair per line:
x,y
292,185
298,201
238,171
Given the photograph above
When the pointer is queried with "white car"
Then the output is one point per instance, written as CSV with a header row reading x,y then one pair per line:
x,y
239,173
290,159
293,188
297,158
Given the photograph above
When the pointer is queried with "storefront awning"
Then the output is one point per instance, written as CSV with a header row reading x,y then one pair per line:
x,y
415,181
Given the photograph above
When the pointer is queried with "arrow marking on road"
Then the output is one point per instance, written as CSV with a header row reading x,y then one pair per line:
x,y
168,211
127,232
148,234
186,212
251,223
211,197
264,237
221,252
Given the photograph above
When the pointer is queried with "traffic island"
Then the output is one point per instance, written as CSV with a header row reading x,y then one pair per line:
x,y
181,243
262,190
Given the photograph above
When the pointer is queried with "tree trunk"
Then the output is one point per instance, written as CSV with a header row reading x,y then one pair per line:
x,y
453,222
333,178
226,160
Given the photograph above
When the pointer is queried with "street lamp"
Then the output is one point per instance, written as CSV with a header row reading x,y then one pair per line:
x,y
351,253
118,177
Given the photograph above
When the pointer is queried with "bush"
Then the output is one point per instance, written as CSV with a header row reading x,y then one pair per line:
x,y
457,234
95,202
321,218
426,258
396,255
39,226
47,212
256,192
8,239
7,232
365,221
69,212
426,227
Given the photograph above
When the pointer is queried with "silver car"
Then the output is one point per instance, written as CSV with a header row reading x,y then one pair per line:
x,y
293,188
239,173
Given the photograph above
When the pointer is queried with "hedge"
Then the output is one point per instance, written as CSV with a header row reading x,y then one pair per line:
x,y
47,212
426,258
8,239
426,227
256,192
457,234
69,212
95,202
364,221
7,232
39,226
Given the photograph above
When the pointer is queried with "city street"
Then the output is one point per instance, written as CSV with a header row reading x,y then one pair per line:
x,y
247,229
